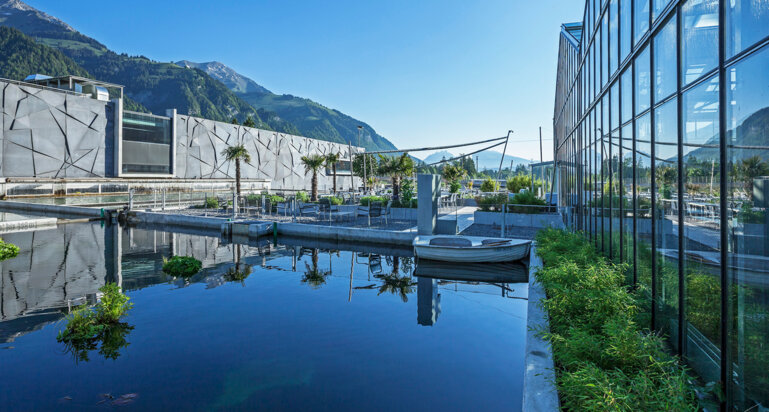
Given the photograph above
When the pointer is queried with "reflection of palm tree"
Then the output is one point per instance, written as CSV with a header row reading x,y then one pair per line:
x,y
240,272
395,284
749,169
314,276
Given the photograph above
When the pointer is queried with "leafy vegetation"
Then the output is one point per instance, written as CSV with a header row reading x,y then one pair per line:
x,y
489,185
211,203
331,200
515,184
527,198
492,203
8,250
368,200
604,360
182,266
303,197
99,327
237,154
331,161
397,167
313,163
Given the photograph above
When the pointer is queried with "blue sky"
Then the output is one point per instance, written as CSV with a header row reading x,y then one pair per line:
x,y
422,73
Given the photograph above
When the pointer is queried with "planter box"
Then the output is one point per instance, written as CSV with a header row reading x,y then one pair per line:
x,y
519,219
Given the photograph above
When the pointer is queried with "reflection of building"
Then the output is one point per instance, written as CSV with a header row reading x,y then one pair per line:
x,y
660,130
72,127
50,274
428,301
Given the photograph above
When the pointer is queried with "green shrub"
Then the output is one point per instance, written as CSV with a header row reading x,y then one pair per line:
x,y
212,203
8,250
454,187
492,203
367,200
332,200
87,327
604,361
489,185
303,197
254,199
275,199
527,198
184,266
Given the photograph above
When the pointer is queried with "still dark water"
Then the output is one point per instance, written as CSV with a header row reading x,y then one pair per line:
x,y
367,336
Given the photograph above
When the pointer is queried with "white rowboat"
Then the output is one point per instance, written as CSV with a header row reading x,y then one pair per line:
x,y
471,249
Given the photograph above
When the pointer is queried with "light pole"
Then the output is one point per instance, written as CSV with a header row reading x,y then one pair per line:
x,y
360,130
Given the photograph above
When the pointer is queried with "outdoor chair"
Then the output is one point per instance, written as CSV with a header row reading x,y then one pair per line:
x,y
284,208
308,209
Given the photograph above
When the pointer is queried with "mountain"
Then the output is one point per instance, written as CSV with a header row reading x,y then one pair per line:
x,y
749,140
486,160
232,79
312,119
157,86
21,56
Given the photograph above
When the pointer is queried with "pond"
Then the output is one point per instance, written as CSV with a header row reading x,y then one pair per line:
x,y
302,327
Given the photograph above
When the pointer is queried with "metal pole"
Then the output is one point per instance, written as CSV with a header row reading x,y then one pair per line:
x,y
499,173
130,199
541,159
164,199
352,175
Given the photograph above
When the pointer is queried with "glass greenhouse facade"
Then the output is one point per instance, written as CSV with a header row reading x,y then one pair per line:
x,y
661,131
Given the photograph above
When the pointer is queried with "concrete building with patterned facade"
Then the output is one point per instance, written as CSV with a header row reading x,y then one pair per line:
x,y
67,128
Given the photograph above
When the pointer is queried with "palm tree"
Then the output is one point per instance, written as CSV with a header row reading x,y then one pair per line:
x,y
314,276
397,168
313,163
237,153
749,169
331,160
249,122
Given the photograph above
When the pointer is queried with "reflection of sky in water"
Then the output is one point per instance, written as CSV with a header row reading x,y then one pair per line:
x,y
270,341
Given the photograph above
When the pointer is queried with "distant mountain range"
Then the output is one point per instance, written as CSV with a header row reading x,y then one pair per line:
x,y
209,90
486,160
310,118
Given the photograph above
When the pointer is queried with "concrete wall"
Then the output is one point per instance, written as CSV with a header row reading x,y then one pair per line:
x,y
274,156
51,134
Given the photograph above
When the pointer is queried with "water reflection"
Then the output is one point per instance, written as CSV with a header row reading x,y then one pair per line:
x,y
356,320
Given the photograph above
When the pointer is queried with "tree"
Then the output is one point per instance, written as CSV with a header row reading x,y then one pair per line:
x,y
357,165
749,169
249,122
234,120
453,174
313,163
331,160
237,153
396,167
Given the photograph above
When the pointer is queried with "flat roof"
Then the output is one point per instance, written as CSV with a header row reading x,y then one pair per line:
x,y
76,79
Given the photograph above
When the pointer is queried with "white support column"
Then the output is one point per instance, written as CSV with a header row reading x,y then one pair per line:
x,y
428,193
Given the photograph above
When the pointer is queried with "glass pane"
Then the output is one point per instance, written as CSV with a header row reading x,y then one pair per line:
x,y
605,179
613,36
626,148
642,81
659,6
641,17
700,38
748,150
627,95
615,105
614,194
604,51
702,225
665,68
643,170
666,209
747,22
625,40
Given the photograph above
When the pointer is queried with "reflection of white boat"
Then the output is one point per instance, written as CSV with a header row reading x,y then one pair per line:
x,y
507,272
470,249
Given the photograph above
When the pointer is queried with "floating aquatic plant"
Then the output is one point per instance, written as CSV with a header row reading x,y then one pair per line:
x,y
98,327
8,250
184,266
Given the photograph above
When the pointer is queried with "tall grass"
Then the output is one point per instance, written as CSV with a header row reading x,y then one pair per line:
x,y
604,360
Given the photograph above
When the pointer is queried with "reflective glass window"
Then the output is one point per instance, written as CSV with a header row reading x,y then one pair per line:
x,y
702,224
613,35
642,81
748,194
666,220
658,6
641,19
626,18
699,42
627,95
665,61
643,203
747,22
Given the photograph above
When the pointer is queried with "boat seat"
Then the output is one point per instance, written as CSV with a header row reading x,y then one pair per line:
x,y
451,241
494,241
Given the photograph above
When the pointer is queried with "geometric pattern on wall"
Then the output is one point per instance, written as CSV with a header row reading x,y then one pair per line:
x,y
48,133
274,156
